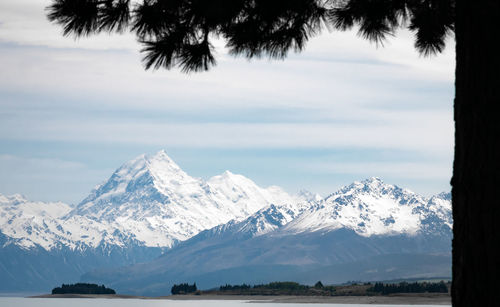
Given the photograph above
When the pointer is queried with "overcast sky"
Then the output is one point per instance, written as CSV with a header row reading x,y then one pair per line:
x,y
72,111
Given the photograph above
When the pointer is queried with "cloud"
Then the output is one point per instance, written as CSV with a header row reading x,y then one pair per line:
x,y
25,22
106,79
398,130
387,169
29,164
342,93
40,178
106,71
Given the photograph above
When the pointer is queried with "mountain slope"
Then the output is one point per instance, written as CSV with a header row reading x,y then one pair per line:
x,y
149,200
372,207
152,199
347,228
27,223
40,248
225,226
146,206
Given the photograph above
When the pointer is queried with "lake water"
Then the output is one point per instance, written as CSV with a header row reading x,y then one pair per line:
x,y
76,302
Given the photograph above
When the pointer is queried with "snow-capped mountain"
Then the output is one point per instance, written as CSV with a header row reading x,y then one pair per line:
x,y
23,220
150,205
146,206
371,207
266,220
156,202
368,230
149,200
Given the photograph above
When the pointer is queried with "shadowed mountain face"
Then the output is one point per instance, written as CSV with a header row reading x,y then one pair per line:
x,y
224,227
333,256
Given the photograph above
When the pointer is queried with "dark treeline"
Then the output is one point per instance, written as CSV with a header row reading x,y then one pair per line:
x,y
278,288
235,287
183,288
82,288
277,285
404,287
282,285
358,288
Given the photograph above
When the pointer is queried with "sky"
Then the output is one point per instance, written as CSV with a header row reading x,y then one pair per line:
x,y
72,111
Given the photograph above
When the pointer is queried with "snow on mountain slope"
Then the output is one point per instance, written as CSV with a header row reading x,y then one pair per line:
x,y
28,223
149,204
439,206
148,201
368,208
157,202
371,207
436,215
271,218
266,220
245,194
365,221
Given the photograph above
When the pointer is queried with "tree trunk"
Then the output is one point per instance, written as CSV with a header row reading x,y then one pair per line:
x,y
476,169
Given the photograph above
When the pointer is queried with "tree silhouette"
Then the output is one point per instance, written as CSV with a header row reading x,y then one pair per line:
x,y
404,287
82,288
178,33
184,288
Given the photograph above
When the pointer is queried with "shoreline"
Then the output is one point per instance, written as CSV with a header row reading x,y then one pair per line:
x,y
399,299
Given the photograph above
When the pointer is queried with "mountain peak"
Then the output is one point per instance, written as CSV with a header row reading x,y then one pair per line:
x,y
444,195
161,152
372,180
369,185
309,196
372,207
227,173
160,156
372,185
230,178
146,177
158,166
153,194
14,198
162,165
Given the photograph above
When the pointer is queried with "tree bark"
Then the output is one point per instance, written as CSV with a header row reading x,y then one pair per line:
x,y
476,169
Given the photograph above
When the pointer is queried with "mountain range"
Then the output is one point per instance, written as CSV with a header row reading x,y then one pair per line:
x,y
151,225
